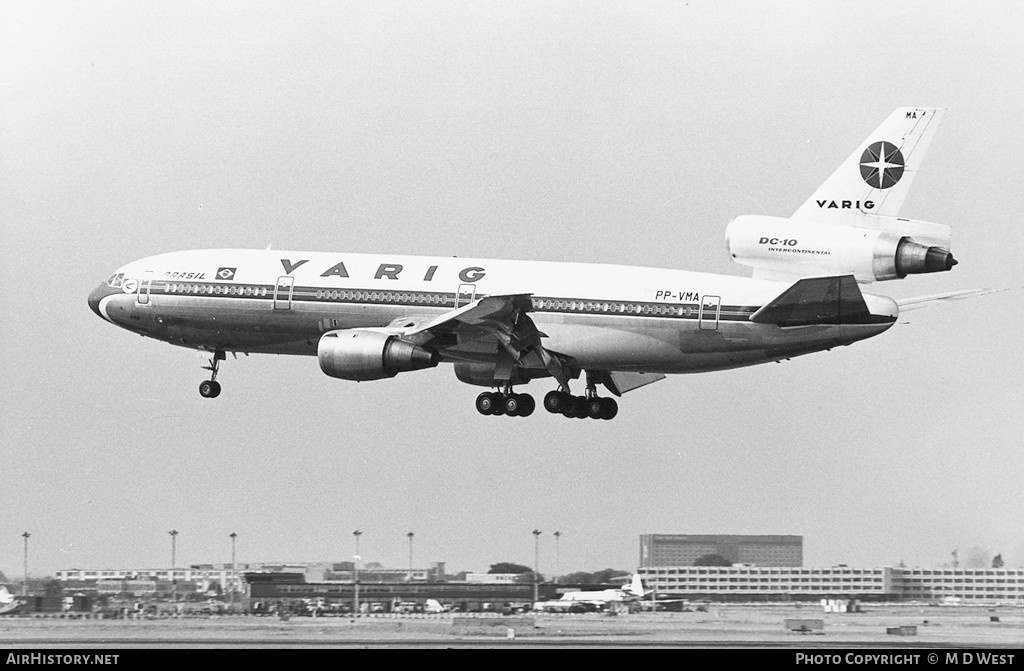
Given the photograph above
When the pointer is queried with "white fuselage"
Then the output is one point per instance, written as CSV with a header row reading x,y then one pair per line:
x,y
605,317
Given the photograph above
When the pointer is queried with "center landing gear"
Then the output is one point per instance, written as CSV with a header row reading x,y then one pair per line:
x,y
581,407
505,403
211,388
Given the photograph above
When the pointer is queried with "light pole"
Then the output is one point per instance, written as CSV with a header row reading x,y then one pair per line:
x,y
174,581
536,562
558,567
234,569
24,580
355,575
410,535
174,537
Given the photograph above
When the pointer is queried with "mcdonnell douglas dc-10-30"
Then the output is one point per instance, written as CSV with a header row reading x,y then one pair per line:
x,y
504,323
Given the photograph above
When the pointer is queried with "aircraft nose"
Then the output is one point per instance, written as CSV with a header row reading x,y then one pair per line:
x,y
98,294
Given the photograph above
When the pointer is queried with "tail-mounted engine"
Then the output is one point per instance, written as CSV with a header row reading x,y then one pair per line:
x,y
361,355
886,248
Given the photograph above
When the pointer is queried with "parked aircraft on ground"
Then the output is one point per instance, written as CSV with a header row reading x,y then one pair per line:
x,y
504,323
597,599
7,602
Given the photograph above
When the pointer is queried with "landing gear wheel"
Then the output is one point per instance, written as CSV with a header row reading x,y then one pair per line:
x,y
556,401
485,403
211,388
575,408
581,408
513,405
610,408
568,407
595,407
526,405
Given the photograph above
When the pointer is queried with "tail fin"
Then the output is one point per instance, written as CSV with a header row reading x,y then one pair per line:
x,y
636,585
876,178
850,226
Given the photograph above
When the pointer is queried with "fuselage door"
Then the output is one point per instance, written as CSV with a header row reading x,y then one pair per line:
x,y
709,309
147,280
465,295
283,292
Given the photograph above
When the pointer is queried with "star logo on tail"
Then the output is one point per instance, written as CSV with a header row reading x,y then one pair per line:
x,y
881,165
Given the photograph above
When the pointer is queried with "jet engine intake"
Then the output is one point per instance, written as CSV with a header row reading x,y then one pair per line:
x,y
362,355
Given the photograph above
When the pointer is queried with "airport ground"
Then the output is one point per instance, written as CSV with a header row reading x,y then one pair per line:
x,y
722,626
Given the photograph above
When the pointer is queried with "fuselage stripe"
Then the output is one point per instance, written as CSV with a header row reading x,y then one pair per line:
x,y
443,300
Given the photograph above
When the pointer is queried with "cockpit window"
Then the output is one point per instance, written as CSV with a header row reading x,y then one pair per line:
x,y
115,280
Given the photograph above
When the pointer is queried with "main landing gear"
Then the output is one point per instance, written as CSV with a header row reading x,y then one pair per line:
x,y
591,405
505,403
580,407
211,388
556,402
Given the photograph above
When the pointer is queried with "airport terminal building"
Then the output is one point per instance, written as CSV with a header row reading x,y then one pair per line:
x,y
265,589
771,583
688,549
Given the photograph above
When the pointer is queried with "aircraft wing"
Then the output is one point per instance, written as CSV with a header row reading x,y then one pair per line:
x,y
495,313
501,318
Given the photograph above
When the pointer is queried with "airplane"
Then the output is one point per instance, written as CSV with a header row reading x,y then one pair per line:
x,y
502,324
7,602
433,606
597,599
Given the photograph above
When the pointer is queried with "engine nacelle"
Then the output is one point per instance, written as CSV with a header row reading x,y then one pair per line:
x,y
869,254
361,355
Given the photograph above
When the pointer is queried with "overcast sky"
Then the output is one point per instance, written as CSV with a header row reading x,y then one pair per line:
x,y
626,133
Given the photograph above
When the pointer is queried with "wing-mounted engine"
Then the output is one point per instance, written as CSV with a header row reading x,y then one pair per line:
x,y
877,248
361,355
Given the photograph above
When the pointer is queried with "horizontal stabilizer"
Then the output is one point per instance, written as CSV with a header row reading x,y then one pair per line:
x,y
816,300
918,302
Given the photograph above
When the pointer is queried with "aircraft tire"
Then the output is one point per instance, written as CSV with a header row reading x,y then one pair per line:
x,y
610,408
209,389
575,408
595,407
485,403
568,407
581,408
554,401
528,405
513,405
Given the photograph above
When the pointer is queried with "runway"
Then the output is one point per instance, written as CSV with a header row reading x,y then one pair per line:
x,y
725,626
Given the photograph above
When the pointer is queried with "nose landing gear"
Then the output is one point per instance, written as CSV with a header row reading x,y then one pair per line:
x,y
211,388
